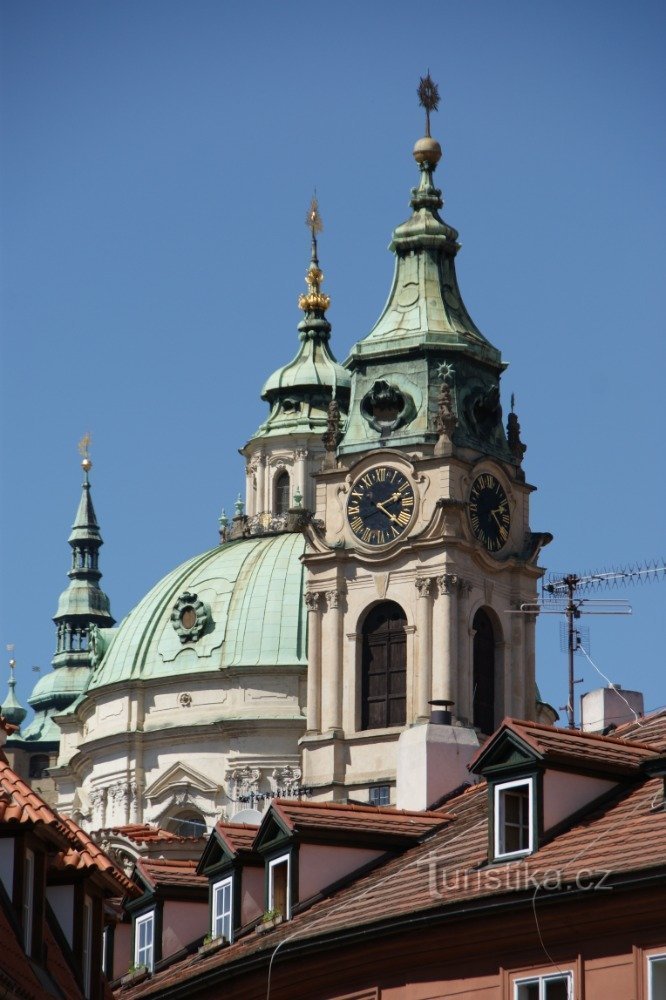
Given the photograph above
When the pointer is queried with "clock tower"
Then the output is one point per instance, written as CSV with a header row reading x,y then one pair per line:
x,y
421,542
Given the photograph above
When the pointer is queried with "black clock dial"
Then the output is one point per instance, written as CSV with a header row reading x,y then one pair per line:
x,y
489,512
380,505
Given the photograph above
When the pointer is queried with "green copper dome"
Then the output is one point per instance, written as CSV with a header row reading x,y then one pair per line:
x,y
205,615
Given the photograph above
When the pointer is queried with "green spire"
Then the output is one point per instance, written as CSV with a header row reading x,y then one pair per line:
x,y
82,604
424,329
11,709
300,391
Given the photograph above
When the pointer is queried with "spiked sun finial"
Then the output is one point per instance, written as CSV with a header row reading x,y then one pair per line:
x,y
428,92
84,452
314,300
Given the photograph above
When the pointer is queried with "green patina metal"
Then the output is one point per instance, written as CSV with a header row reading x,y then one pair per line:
x,y
425,333
83,607
300,391
253,589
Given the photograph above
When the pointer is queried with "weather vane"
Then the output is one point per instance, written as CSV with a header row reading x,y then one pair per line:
x,y
84,451
315,298
428,97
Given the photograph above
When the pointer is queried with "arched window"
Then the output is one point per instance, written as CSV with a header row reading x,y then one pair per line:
x,y
384,667
483,713
282,493
187,823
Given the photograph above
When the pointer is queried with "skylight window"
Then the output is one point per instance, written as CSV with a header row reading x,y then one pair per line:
x,y
513,820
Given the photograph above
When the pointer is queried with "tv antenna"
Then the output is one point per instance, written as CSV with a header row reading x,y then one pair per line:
x,y
560,597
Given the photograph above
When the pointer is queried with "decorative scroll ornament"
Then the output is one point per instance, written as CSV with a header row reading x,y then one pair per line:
x,y
189,617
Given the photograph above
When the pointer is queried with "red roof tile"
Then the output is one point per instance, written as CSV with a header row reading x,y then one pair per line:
x,y
237,836
340,817
59,968
570,746
650,729
15,969
170,873
143,833
20,804
627,834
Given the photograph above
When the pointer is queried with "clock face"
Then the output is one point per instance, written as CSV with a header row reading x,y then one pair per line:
x,y
380,505
489,512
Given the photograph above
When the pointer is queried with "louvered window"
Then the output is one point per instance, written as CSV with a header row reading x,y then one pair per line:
x,y
384,667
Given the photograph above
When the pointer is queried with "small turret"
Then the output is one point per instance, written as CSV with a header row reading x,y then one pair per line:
x,y
11,709
288,448
83,603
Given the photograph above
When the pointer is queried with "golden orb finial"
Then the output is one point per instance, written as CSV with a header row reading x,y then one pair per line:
x,y
84,451
315,299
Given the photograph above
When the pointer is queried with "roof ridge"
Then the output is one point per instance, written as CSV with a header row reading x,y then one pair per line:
x,y
354,807
577,733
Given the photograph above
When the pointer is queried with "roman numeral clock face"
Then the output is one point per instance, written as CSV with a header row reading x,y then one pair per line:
x,y
489,512
380,505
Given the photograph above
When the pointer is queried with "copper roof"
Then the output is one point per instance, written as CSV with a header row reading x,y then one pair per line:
x,y
157,872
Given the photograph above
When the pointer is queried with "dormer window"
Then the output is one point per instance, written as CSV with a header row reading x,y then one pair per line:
x,y
513,820
279,890
144,940
221,910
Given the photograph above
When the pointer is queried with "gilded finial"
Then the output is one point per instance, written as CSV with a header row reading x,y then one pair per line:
x,y
84,452
315,299
428,92
427,150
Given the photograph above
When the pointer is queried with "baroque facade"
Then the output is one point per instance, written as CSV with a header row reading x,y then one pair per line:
x,y
383,539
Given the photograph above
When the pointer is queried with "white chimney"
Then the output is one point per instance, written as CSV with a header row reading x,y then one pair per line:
x,y
609,706
432,761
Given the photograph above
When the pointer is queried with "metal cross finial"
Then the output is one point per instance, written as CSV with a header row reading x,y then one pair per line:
x,y
428,97
313,218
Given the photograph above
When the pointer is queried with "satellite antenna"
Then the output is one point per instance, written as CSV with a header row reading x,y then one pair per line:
x,y
559,597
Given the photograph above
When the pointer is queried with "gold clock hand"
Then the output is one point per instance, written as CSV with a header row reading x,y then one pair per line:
x,y
388,513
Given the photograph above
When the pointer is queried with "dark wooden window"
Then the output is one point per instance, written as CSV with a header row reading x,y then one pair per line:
x,y
282,493
484,673
384,667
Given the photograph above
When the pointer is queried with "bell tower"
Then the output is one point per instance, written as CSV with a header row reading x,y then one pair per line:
x,y
421,541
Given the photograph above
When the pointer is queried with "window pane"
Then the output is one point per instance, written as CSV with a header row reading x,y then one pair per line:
x,y
514,819
279,894
528,991
144,942
556,989
657,978
222,910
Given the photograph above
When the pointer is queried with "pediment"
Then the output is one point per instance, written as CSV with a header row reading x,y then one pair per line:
x,y
180,777
505,752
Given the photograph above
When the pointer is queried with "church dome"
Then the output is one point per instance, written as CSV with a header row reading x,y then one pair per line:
x,y
203,616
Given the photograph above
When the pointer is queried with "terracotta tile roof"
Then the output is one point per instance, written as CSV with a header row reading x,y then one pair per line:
x,y
158,872
627,834
84,853
143,833
570,746
650,729
7,727
340,817
20,804
237,836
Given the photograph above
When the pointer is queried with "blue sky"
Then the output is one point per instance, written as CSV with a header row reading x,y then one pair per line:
x,y
157,162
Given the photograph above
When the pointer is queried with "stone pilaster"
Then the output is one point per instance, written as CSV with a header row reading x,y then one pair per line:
x,y
314,695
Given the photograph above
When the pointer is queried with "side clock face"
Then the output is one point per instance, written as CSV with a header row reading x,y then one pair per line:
x,y
380,505
489,512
